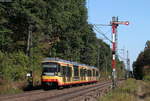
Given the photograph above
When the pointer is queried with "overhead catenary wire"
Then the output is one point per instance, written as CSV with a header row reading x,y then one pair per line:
x,y
103,34
123,58
100,32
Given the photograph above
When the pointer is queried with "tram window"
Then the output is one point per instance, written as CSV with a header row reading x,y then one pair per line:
x,y
76,71
93,72
50,67
96,73
67,71
58,68
70,71
85,72
49,70
63,70
82,72
90,73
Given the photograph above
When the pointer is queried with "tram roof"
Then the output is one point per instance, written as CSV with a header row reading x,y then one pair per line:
x,y
66,61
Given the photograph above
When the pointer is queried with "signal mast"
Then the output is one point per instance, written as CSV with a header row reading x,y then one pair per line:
x,y
115,23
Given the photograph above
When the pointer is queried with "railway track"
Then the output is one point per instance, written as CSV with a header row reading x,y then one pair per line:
x,y
77,93
67,94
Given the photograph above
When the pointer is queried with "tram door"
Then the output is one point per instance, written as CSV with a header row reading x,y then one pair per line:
x,y
76,73
68,73
64,73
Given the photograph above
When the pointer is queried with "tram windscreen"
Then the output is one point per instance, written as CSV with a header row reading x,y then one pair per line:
x,y
50,68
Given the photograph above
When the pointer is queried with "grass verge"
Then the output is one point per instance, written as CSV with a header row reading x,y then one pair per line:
x,y
130,90
11,88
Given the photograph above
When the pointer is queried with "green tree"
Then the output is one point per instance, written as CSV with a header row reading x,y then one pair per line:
x,y
142,60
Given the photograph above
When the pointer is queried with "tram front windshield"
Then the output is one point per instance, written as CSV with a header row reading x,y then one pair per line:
x,y
50,68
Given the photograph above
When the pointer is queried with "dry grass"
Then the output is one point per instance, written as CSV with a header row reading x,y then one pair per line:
x,y
11,88
130,90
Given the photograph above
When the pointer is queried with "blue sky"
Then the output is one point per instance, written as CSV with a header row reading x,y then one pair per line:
x,y
137,12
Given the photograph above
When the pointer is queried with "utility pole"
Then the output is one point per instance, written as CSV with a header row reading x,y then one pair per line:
x,y
123,57
124,69
98,56
115,23
29,52
128,64
29,41
105,58
128,61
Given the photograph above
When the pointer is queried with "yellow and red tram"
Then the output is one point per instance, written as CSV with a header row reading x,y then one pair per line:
x,y
58,72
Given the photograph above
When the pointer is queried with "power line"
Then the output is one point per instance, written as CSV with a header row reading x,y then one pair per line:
x,y
123,58
100,32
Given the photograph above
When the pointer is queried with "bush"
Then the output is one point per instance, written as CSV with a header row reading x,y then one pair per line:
x,y
147,78
13,69
14,66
